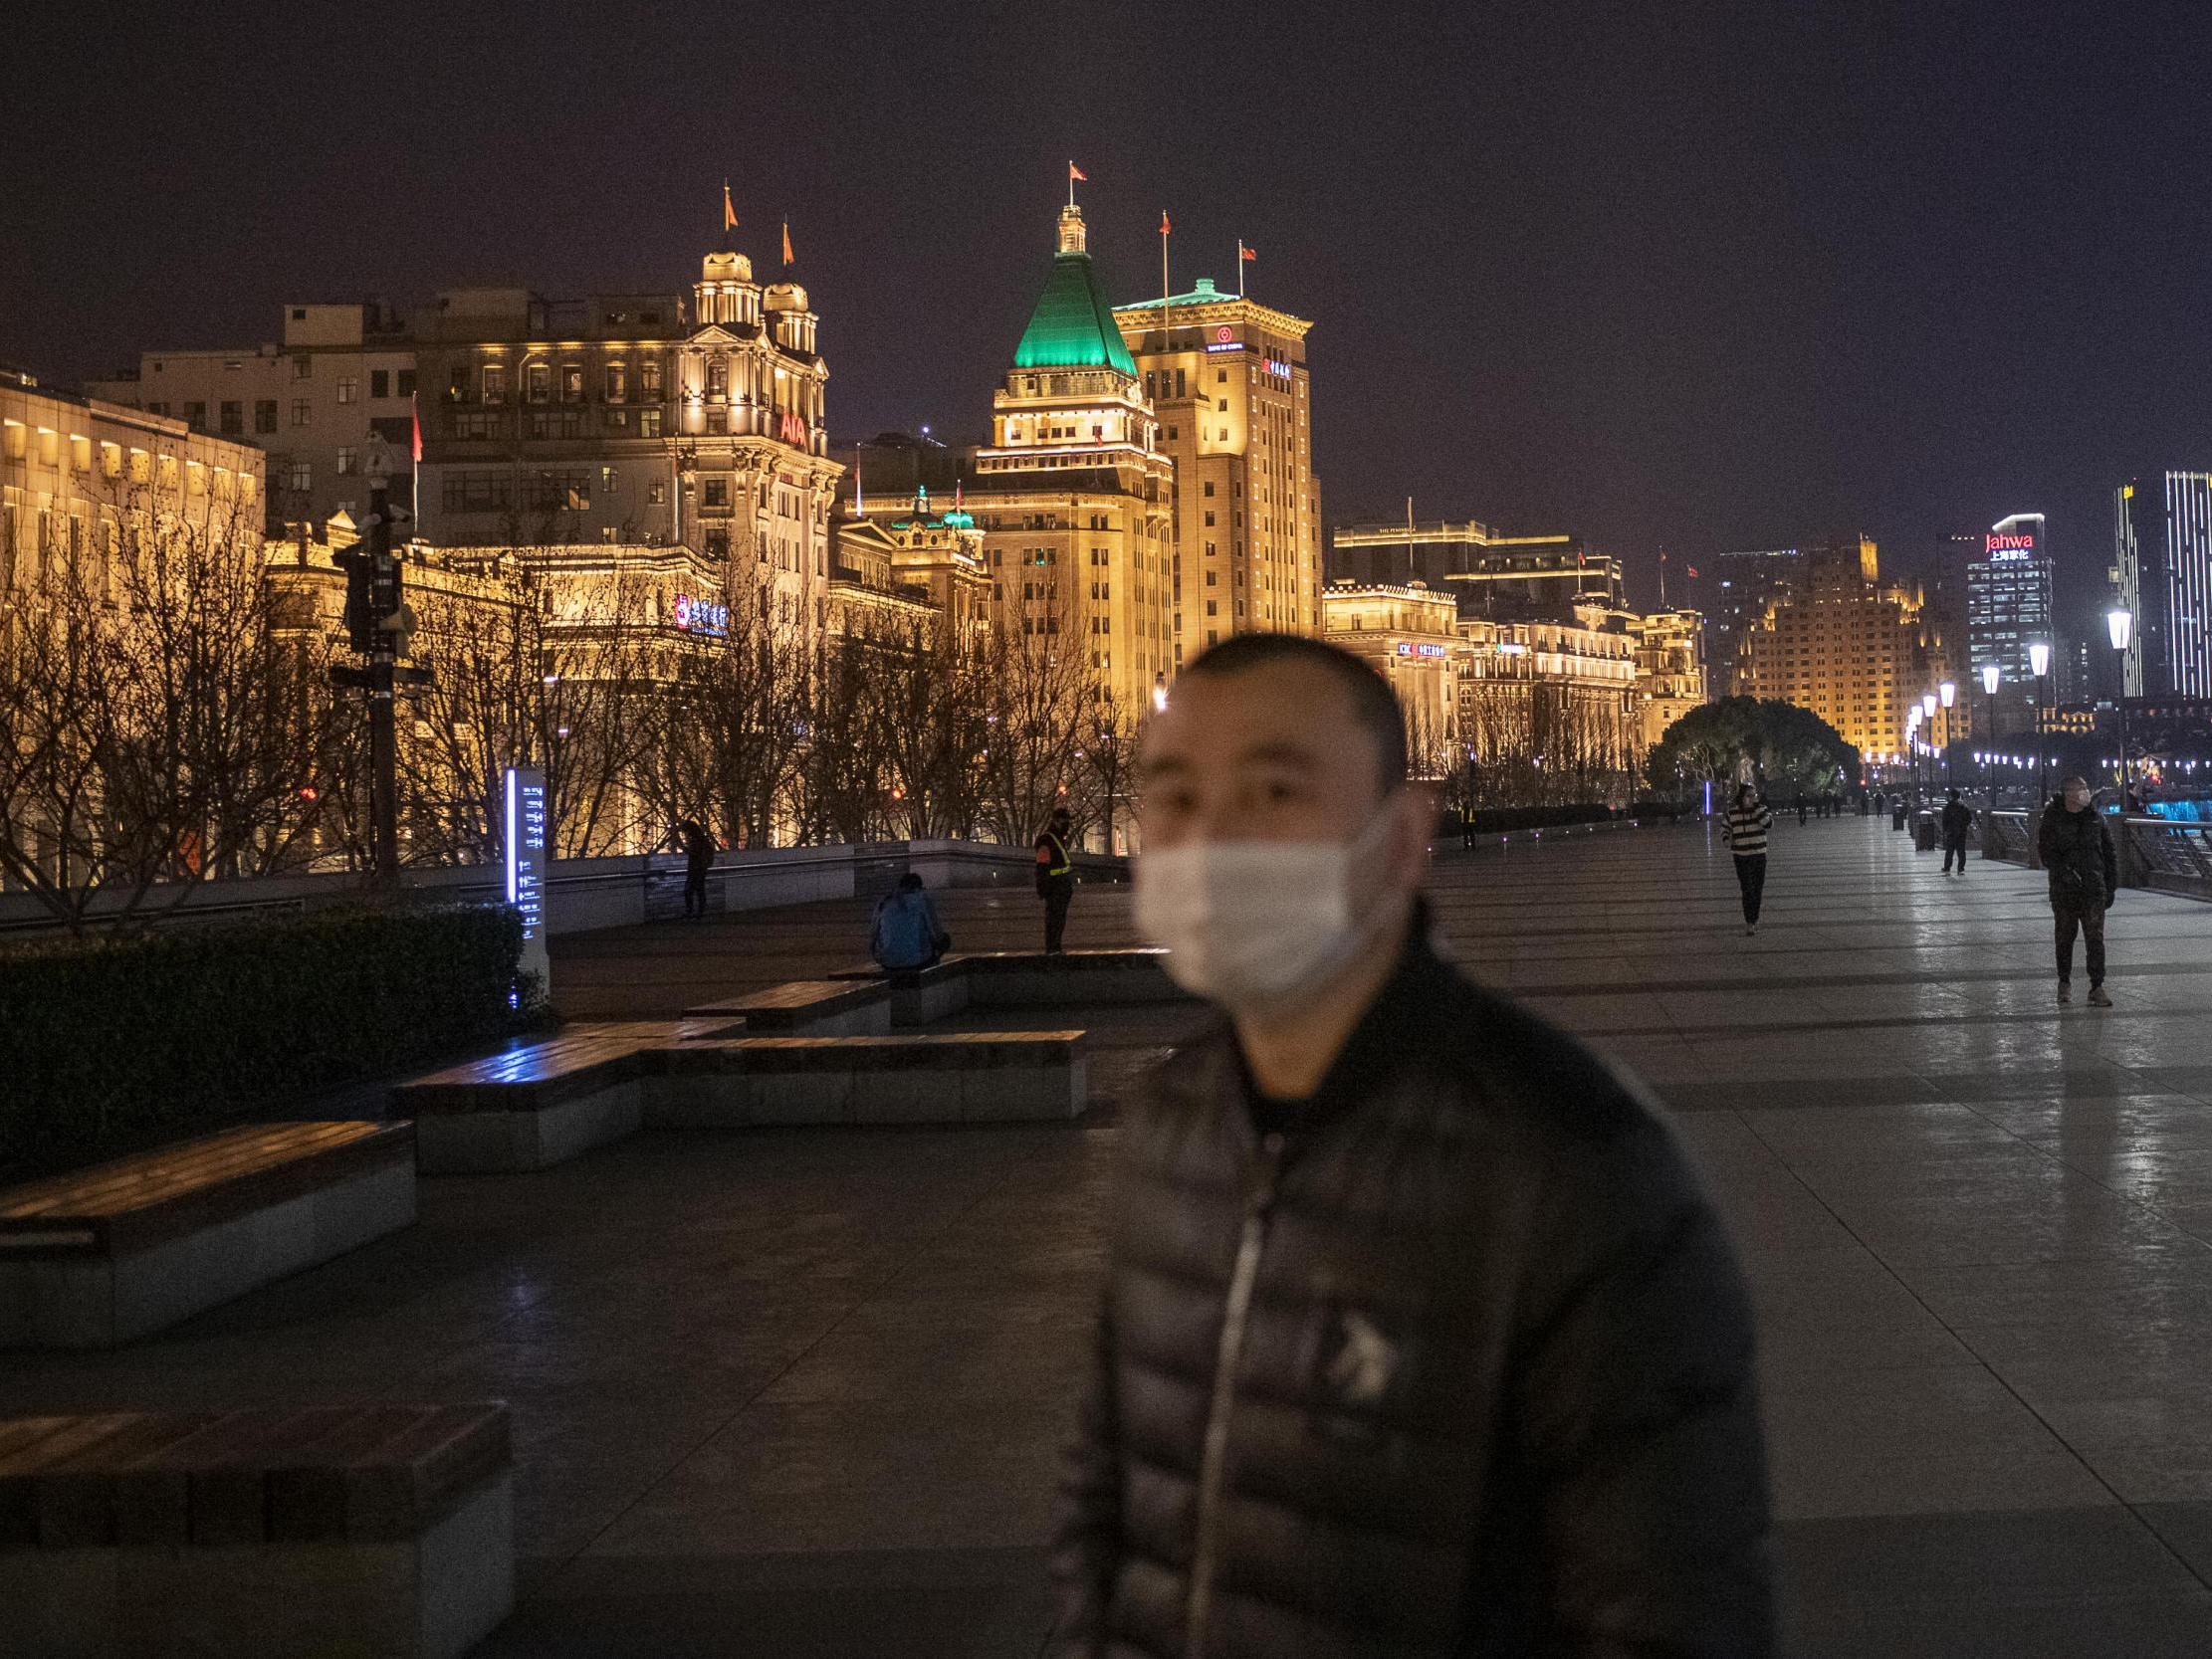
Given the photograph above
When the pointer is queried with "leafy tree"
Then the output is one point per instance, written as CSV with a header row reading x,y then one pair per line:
x,y
1793,749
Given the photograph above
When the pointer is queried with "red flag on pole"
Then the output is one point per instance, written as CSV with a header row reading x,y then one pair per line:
x,y
787,260
1074,173
728,213
1163,221
414,402
1244,252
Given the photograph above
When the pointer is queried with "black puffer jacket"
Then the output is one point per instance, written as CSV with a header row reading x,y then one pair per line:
x,y
1460,1363
2077,852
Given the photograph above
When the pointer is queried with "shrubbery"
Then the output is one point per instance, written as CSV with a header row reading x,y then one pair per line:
x,y
107,1043
1498,820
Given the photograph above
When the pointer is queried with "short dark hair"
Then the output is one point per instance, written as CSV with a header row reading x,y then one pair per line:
x,y
910,883
1373,704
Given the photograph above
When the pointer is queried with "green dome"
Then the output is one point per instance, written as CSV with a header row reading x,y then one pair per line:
x,y
1073,326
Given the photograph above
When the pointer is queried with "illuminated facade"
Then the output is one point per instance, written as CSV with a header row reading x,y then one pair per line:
x,y
80,476
917,572
1409,635
1073,493
2162,570
1745,585
1846,646
1558,694
1228,378
2008,607
1502,577
640,419
342,377
1669,668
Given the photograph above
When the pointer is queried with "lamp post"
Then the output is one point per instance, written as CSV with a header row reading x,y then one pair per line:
x,y
1927,725
1991,675
2039,660
2119,622
1949,690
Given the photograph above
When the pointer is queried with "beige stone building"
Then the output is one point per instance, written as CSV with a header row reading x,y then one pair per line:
x,y
1409,635
1559,693
79,476
339,377
1848,646
921,572
637,420
1228,378
1073,494
1669,668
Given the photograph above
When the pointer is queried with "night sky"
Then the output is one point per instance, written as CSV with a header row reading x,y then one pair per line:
x,y
1692,274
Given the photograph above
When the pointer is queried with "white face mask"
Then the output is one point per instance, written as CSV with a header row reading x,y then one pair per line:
x,y
1257,925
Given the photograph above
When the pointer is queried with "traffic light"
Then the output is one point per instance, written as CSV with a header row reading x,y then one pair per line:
x,y
361,614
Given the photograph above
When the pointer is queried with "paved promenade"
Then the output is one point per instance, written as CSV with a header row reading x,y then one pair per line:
x,y
799,1392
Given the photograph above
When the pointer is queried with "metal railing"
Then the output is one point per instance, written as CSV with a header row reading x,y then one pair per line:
x,y
2156,854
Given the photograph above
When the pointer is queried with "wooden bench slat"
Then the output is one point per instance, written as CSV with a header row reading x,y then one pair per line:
x,y
419,1470
76,1494
152,1177
307,1498
19,1471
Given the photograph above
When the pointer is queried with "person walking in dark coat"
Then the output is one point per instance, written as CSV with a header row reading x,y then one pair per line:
x,y
1956,820
698,848
1055,877
2077,852
1749,820
1420,1335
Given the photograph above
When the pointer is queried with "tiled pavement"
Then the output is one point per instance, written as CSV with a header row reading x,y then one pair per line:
x,y
798,1393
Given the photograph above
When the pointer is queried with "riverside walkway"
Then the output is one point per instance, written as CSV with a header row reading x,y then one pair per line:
x,y
799,1392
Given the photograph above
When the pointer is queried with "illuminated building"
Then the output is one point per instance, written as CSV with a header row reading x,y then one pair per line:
x,y
1073,492
1745,584
1669,668
1410,635
1555,695
917,570
636,419
2163,570
1503,577
80,476
2008,607
343,375
1845,645
1227,379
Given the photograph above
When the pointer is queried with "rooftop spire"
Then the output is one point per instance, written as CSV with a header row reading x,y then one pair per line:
x,y
1074,239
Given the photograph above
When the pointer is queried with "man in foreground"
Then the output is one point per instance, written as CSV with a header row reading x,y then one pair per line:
x,y
2077,852
1420,1335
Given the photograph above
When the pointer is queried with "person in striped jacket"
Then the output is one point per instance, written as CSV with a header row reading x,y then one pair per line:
x,y
1748,823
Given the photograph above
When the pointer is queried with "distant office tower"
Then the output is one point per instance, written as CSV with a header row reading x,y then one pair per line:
x,y
1506,579
1227,379
2162,567
1744,585
2008,609
1845,646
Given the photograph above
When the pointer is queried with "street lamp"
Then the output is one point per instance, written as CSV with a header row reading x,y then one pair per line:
x,y
1991,674
1949,693
2119,622
2039,661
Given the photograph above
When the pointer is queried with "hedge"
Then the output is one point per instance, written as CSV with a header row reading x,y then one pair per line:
x,y
1495,821
107,1044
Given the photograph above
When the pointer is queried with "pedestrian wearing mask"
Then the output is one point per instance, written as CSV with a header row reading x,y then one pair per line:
x,y
1749,820
1419,1337
2077,852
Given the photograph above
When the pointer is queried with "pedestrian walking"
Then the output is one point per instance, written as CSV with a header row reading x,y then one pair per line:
x,y
1055,877
905,933
1749,820
2077,852
698,848
1420,1335
1955,820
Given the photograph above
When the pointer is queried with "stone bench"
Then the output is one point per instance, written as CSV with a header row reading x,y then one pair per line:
x,y
1071,978
537,1104
806,1008
753,1082
918,996
108,1254
370,1531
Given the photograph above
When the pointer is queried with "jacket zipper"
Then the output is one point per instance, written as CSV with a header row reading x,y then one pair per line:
x,y
1228,1356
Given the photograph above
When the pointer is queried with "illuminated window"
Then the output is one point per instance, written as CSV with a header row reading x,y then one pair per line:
x,y
301,411
349,388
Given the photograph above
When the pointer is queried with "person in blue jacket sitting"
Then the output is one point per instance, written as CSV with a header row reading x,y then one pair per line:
x,y
905,934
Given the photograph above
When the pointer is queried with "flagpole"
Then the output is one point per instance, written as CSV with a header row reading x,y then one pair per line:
x,y
1239,268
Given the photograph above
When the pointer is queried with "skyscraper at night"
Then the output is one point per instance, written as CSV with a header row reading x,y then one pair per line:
x,y
1228,378
2162,567
1073,492
2008,607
